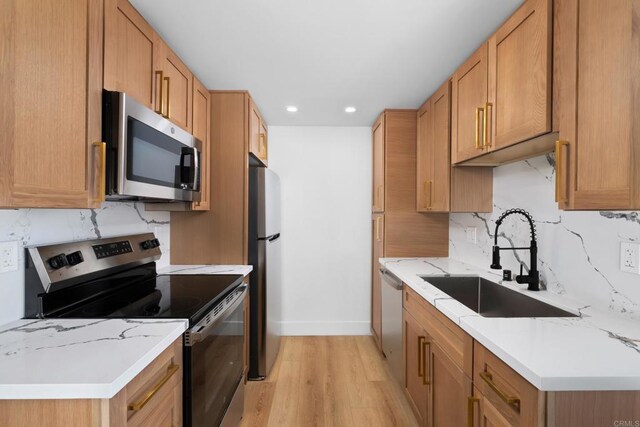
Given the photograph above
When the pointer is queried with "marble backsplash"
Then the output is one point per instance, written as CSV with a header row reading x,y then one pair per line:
x,y
578,252
31,227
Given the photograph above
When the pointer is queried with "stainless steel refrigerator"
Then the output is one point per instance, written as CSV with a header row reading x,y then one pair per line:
x,y
265,298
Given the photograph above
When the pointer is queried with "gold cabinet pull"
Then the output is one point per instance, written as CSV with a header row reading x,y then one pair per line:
x,y
136,406
424,194
168,115
487,140
470,402
420,356
102,176
430,194
377,229
479,110
159,92
509,400
559,171
262,145
426,360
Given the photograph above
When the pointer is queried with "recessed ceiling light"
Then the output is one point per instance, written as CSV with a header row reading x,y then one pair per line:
x,y
350,110
292,109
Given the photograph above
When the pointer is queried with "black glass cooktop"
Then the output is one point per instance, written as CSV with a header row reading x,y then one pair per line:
x,y
164,296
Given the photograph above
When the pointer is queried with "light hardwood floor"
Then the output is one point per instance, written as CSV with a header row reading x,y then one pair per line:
x,y
327,381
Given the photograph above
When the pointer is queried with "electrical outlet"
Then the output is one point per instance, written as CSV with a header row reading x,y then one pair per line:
x,y
472,235
630,257
8,256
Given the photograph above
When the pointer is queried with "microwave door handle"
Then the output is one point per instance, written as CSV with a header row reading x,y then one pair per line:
x,y
196,170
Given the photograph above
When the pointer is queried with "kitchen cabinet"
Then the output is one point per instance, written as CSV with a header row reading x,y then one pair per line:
x,y
152,398
257,134
376,291
176,87
438,364
202,131
416,386
219,236
441,187
597,66
131,54
502,95
51,56
378,165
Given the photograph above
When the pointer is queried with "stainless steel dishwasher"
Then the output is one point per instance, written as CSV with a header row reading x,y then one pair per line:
x,y
392,322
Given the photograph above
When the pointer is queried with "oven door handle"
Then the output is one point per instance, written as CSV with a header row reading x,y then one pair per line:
x,y
206,325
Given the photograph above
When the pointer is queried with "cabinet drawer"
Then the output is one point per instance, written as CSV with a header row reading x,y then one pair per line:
x,y
156,393
455,342
506,392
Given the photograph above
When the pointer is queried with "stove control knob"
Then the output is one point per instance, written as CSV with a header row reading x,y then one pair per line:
x,y
58,261
75,258
156,243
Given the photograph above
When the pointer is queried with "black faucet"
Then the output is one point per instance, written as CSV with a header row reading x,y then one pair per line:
x,y
533,278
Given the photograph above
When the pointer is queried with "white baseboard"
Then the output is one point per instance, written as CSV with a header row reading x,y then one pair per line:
x,y
304,328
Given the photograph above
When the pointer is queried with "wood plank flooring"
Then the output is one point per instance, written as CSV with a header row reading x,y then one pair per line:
x,y
327,381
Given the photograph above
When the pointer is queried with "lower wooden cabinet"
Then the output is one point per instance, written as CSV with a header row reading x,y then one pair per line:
x,y
449,390
376,297
152,398
416,387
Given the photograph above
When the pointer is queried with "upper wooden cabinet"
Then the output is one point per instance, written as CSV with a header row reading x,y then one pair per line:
x,y
378,165
257,134
596,44
131,54
202,131
440,187
137,61
520,76
51,85
502,95
468,103
176,88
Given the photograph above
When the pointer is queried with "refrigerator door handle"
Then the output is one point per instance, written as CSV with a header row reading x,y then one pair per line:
x,y
271,238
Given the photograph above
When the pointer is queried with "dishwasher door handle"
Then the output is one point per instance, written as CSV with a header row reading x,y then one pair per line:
x,y
391,280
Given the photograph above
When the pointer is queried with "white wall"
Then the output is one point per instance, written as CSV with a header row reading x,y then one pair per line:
x,y
33,227
578,252
325,175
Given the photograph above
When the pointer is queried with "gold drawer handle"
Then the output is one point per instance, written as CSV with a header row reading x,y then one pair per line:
x,y
471,401
172,369
559,171
168,115
509,400
487,140
159,91
478,133
426,359
102,176
420,355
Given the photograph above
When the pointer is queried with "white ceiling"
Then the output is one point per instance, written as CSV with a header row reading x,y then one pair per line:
x,y
325,55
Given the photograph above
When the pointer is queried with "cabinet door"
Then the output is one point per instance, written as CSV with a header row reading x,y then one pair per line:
x,y
519,106
177,87
201,130
264,143
597,161
440,150
378,165
51,85
484,414
469,99
424,155
416,388
130,53
449,390
377,252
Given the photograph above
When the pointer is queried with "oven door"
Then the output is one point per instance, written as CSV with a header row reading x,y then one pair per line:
x,y
214,363
153,158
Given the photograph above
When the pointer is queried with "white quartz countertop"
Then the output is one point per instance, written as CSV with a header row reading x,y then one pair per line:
x,y
596,351
243,270
79,358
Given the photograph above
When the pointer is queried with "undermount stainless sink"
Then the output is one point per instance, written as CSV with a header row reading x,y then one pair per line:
x,y
489,299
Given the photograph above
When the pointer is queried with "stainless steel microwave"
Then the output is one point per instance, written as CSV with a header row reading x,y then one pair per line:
x,y
147,156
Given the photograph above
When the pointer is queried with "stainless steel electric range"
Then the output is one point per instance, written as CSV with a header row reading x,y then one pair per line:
x,y
117,278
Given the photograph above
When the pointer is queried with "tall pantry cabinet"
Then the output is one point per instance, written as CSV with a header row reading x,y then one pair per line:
x,y
398,230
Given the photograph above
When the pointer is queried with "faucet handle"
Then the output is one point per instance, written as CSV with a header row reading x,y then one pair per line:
x,y
521,268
